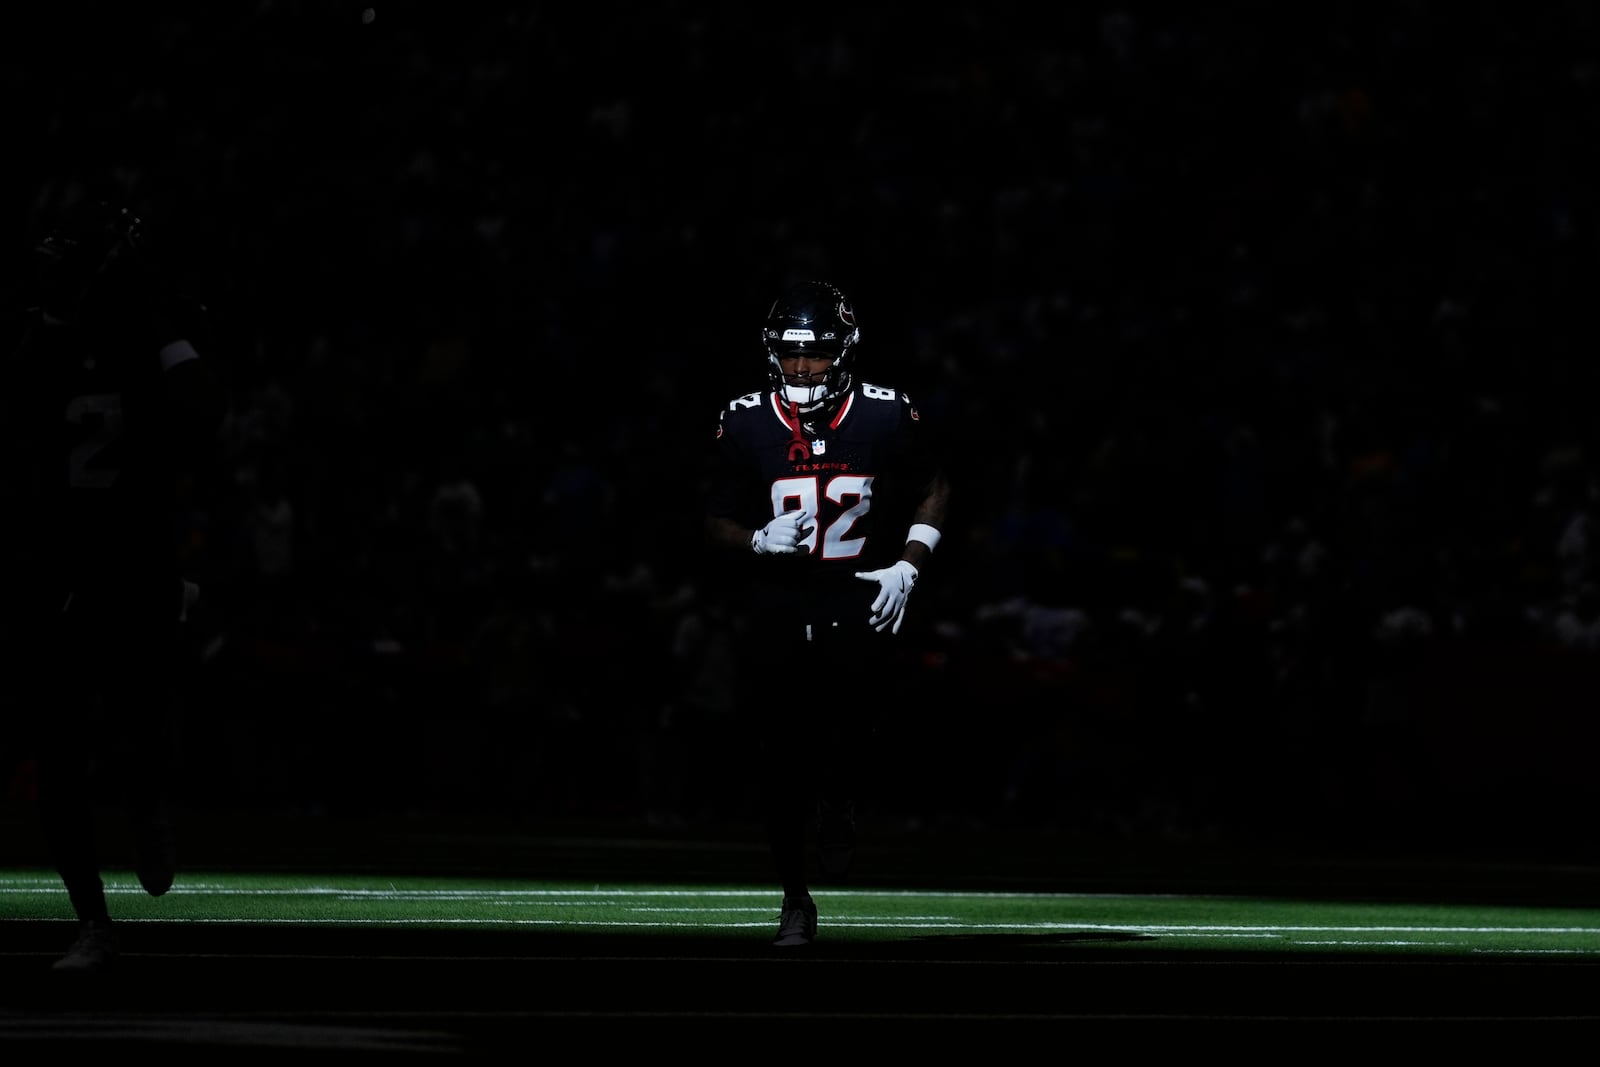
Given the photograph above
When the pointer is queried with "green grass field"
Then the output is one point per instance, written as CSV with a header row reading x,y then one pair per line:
x,y
460,936
1132,923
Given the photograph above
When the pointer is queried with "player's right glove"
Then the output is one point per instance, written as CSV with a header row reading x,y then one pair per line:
x,y
782,536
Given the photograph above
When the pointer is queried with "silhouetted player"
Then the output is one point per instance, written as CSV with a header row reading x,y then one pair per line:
x,y
109,416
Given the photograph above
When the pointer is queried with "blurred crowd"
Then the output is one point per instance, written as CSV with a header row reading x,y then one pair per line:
x,y
1261,341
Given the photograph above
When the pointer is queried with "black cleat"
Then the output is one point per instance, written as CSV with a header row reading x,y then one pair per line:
x,y
95,950
797,925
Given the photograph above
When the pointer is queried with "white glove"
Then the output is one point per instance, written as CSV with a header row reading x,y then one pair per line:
x,y
783,534
894,589
191,597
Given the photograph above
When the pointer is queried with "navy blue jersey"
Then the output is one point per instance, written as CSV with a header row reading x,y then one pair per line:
x,y
99,435
860,474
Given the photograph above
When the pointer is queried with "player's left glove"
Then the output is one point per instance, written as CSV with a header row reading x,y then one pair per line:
x,y
894,589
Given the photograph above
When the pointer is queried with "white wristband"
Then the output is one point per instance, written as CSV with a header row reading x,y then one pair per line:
x,y
921,531
179,351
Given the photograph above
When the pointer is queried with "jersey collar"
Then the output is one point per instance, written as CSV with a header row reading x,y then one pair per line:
x,y
782,412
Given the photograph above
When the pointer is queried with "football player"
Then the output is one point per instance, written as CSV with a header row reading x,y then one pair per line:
x,y
110,417
828,495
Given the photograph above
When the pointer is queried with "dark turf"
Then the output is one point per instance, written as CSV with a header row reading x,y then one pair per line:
x,y
204,992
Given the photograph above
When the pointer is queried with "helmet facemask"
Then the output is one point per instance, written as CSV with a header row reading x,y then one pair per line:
x,y
808,392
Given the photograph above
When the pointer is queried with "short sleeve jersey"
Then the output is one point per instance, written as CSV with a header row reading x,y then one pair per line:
x,y
860,474
91,432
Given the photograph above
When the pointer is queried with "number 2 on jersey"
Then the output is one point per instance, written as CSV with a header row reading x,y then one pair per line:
x,y
97,418
853,492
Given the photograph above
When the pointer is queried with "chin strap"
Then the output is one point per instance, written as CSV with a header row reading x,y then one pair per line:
x,y
798,447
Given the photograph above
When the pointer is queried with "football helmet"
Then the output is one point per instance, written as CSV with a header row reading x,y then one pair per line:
x,y
811,316
74,261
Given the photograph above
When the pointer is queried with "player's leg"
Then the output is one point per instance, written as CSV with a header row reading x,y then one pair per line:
x,y
148,713
848,739
69,763
784,784
787,809
67,795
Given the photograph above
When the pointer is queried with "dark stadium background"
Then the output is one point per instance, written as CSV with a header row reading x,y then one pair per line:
x,y
1264,338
